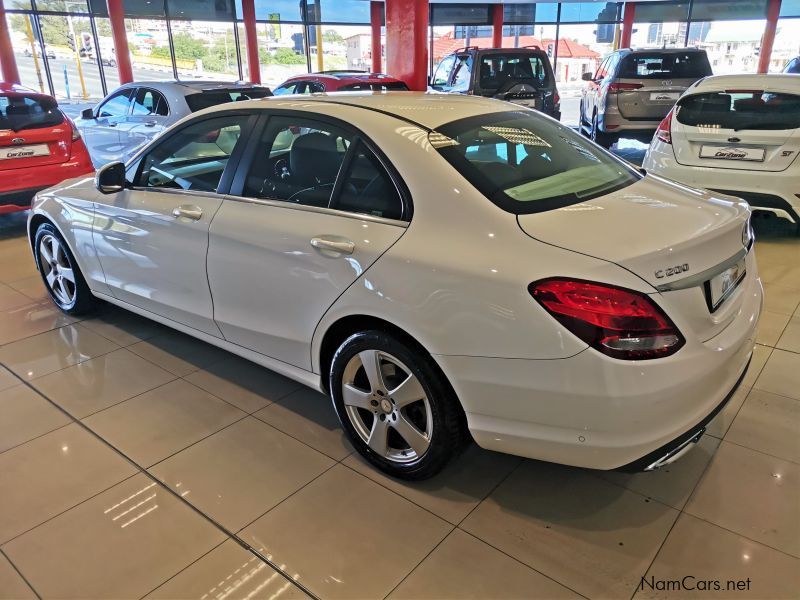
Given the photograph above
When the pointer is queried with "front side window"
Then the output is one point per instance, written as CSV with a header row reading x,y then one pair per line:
x,y
285,89
745,109
463,74
442,75
149,102
117,105
527,164
297,160
194,158
666,65
500,70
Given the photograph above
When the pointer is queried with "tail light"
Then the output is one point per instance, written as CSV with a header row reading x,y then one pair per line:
x,y
76,134
556,99
617,87
664,131
618,322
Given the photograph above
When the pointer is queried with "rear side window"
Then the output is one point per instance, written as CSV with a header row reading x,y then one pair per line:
x,y
367,188
390,86
213,98
19,112
498,70
740,110
667,65
149,102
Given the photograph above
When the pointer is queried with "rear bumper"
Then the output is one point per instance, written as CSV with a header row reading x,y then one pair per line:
x,y
16,192
612,122
772,191
597,412
17,200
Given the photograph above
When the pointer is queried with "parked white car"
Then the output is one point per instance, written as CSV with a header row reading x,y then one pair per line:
x,y
736,134
440,265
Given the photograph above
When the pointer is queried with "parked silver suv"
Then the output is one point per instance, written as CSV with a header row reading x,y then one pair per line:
x,y
633,90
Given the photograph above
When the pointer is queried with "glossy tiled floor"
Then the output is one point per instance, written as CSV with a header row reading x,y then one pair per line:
x,y
135,461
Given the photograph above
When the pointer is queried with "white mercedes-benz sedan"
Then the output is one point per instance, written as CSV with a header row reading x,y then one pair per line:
x,y
439,265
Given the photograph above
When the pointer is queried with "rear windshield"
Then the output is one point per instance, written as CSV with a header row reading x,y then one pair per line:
x,y
389,86
740,110
667,65
526,163
205,99
28,112
499,70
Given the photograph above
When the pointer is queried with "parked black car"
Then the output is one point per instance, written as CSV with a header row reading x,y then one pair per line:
x,y
520,75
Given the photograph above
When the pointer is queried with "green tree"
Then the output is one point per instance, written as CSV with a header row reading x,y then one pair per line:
x,y
330,35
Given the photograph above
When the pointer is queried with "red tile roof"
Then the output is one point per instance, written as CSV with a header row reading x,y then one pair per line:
x,y
566,48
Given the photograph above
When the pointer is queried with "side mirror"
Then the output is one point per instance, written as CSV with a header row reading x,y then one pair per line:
x,y
87,113
587,77
110,178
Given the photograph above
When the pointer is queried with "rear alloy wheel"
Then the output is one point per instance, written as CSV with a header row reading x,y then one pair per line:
x,y
395,405
60,272
598,136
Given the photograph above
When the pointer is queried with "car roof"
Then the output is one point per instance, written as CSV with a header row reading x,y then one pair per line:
x,y
476,50
428,110
356,76
195,86
776,82
661,50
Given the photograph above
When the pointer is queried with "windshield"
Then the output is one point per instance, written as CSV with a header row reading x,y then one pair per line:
x,y
525,163
666,65
497,70
205,99
18,112
745,109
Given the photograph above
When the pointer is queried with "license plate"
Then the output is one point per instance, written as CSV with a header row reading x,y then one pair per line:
x,y
732,153
665,95
24,151
722,285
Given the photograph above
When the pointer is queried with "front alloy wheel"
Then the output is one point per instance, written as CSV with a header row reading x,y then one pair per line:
x,y
60,272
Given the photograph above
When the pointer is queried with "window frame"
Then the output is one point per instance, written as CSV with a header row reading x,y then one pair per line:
x,y
145,89
236,188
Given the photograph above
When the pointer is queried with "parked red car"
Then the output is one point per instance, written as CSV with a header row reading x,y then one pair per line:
x,y
39,146
339,81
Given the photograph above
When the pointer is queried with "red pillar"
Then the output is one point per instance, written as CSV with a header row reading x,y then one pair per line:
x,y
116,14
251,40
627,25
497,26
376,21
7,61
407,42
773,11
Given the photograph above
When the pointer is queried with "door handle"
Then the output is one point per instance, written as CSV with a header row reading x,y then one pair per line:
x,y
341,246
150,124
193,213
112,124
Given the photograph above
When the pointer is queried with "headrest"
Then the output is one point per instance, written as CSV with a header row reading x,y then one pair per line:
x,y
315,156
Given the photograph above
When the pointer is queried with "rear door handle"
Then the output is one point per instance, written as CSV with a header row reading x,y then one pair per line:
x,y
150,124
341,246
188,211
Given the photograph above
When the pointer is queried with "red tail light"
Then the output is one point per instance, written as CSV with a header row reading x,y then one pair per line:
x,y
556,98
664,131
76,134
617,87
618,322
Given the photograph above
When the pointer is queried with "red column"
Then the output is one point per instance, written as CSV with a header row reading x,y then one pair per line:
x,y
376,21
773,11
497,26
7,61
627,25
407,42
116,14
251,40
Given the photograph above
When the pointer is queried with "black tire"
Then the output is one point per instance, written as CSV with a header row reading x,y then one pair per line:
x,y
599,137
83,301
448,432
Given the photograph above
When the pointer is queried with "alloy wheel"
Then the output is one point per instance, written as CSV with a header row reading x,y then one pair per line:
x,y
387,405
57,269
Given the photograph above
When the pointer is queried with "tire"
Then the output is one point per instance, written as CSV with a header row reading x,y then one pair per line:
x,y
56,265
599,137
379,411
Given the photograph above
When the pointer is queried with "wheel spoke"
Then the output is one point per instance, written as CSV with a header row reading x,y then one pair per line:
x,y
414,437
378,436
55,248
44,252
61,290
51,279
68,274
354,397
407,392
372,367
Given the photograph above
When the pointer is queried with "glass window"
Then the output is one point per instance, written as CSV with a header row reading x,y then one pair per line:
x,y
587,12
736,110
441,76
546,12
368,189
149,102
790,8
660,12
793,66
463,74
193,158
340,47
526,164
281,52
208,98
288,88
204,49
518,13
454,14
117,105
297,161
19,112
338,11
27,51
498,70
210,10
656,65
725,10
392,86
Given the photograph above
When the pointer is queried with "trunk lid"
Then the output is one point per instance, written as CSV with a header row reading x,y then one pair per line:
x,y
675,238
648,99
737,129
33,131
